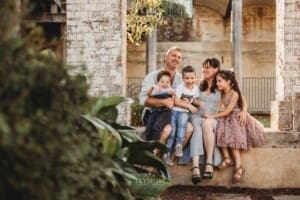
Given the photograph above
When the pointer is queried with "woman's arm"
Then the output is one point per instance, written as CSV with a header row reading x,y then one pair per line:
x,y
228,110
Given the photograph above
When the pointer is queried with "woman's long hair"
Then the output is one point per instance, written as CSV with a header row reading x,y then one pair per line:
x,y
230,75
215,63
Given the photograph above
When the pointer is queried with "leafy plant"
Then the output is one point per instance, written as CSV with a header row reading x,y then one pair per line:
x,y
142,17
128,149
173,9
48,149
136,114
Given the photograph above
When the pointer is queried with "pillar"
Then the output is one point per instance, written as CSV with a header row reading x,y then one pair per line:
x,y
96,38
285,110
151,51
237,6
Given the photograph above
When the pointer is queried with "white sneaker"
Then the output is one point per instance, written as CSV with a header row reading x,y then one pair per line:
x,y
167,159
178,150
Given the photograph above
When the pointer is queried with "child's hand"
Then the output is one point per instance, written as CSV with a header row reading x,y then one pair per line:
x,y
242,116
193,109
186,100
169,102
171,91
205,115
201,105
156,88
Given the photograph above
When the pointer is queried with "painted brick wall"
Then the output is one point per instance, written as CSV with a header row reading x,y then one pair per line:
x,y
286,114
96,38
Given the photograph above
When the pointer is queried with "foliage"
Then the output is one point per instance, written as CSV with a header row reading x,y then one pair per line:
x,y
142,18
173,9
48,149
128,151
136,114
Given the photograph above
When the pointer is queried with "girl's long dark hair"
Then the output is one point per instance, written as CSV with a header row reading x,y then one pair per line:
x,y
215,63
230,75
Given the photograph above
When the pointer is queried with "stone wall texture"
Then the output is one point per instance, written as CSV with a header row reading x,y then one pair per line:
x,y
286,111
96,38
207,34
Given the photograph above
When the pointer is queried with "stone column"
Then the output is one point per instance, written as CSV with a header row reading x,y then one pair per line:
x,y
151,51
96,38
285,111
236,23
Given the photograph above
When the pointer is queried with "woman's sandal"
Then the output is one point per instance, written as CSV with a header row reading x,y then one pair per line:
x,y
238,173
227,162
207,174
196,178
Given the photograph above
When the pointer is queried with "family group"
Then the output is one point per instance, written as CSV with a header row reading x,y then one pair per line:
x,y
198,119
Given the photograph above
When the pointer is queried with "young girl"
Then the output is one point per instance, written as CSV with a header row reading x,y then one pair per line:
x,y
231,135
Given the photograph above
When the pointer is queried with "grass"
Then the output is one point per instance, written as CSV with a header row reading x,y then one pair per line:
x,y
264,119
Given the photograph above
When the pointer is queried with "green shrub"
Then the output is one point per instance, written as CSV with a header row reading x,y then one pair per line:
x,y
173,10
136,114
48,149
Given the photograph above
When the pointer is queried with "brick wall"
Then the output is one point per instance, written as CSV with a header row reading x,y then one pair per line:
x,y
286,112
177,29
96,38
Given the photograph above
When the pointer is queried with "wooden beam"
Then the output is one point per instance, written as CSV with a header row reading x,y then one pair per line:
x,y
228,10
49,17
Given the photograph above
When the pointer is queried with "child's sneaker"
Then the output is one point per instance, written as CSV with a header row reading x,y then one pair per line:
x,y
167,159
178,150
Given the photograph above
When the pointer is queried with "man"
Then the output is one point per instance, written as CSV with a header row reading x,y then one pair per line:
x,y
161,130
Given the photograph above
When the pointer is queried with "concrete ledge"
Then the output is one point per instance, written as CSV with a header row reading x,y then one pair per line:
x,y
281,139
274,165
264,168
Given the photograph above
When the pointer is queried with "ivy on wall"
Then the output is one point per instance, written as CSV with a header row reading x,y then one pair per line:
x,y
145,15
142,17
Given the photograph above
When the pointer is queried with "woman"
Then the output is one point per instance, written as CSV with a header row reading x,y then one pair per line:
x,y
204,129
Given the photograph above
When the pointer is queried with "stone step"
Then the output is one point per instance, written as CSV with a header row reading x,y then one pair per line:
x,y
274,165
264,168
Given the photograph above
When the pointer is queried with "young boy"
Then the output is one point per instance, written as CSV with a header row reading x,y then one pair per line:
x,y
186,91
161,90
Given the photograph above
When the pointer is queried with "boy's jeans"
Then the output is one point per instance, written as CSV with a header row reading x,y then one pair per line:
x,y
179,121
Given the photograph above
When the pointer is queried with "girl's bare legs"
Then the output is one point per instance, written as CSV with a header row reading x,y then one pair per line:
x,y
209,141
239,171
227,161
237,157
